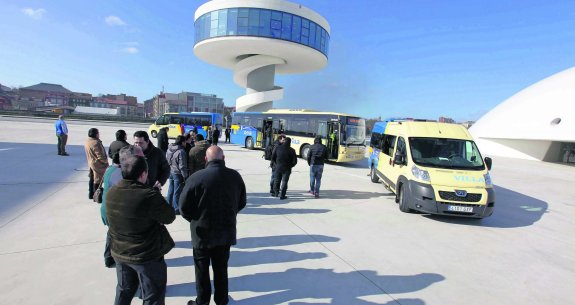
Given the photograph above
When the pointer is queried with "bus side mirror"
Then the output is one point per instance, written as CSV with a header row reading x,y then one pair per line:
x,y
399,159
488,163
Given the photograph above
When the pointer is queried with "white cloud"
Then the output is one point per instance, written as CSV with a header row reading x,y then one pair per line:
x,y
34,14
130,50
114,21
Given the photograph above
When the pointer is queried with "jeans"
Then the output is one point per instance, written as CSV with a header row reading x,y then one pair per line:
x,y
62,139
272,181
284,178
219,257
315,172
175,189
151,276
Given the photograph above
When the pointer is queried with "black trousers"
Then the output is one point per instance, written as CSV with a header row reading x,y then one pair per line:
x,y
151,277
108,259
91,188
282,177
219,257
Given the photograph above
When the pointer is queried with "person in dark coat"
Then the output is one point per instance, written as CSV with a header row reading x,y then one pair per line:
x,y
228,133
284,158
216,136
163,139
137,215
158,167
316,158
120,142
279,141
189,143
197,155
210,201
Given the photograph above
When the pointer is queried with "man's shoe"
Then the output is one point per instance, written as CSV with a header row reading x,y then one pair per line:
x,y
283,197
65,154
311,192
316,195
192,302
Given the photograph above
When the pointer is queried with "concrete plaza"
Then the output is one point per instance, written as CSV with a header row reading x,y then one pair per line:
x,y
351,246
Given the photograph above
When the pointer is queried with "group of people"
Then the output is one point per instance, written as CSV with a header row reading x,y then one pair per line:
x,y
202,189
284,158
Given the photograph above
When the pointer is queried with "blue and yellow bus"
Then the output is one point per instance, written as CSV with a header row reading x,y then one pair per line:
x,y
182,122
343,134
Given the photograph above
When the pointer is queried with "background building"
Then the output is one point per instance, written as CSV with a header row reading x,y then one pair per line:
x,y
183,102
538,123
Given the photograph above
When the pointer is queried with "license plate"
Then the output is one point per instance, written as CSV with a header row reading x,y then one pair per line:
x,y
455,208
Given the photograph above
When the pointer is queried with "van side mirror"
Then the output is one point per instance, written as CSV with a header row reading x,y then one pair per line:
x,y
399,159
488,162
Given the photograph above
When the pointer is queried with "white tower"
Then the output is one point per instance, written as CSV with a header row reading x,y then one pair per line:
x,y
258,38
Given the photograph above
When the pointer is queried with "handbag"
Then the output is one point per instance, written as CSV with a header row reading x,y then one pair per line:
x,y
98,194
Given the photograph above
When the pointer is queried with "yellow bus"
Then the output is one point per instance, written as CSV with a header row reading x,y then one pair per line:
x,y
180,123
432,168
343,134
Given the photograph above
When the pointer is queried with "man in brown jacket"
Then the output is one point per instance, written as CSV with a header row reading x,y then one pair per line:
x,y
97,160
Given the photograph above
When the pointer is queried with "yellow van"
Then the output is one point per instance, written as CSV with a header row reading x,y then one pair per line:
x,y
431,167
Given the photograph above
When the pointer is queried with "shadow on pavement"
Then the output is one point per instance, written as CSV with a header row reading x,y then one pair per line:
x,y
512,210
281,240
30,170
300,283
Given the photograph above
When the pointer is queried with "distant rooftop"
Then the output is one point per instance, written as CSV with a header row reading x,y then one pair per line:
x,y
48,87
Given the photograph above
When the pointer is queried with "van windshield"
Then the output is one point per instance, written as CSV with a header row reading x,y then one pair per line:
x,y
446,153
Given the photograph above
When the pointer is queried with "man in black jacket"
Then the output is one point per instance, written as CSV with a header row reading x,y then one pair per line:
x,y
120,142
163,139
284,158
137,215
158,167
210,201
315,159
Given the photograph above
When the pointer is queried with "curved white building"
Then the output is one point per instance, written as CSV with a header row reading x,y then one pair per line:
x,y
258,38
538,123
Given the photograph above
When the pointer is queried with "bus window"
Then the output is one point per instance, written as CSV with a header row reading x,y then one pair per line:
x,y
322,129
388,144
162,120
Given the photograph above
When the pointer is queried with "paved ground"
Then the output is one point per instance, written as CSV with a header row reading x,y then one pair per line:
x,y
352,246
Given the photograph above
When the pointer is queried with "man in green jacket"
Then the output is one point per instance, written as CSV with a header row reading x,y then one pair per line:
x,y
137,215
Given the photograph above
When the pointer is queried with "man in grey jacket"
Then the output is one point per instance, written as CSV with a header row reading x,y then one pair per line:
x,y
178,160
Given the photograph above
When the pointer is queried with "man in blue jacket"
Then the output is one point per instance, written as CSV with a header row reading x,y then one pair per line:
x,y
62,135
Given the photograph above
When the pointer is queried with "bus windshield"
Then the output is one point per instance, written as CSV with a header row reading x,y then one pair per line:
x,y
354,132
446,153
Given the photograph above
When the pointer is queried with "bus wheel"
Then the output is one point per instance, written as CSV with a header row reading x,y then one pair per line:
x,y
403,204
154,133
304,152
373,175
249,143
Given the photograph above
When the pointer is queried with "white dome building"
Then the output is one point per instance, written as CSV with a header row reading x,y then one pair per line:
x,y
538,123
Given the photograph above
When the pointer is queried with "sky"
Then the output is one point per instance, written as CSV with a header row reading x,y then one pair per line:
x,y
387,58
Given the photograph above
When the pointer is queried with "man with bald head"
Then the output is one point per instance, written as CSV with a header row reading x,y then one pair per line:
x,y
210,201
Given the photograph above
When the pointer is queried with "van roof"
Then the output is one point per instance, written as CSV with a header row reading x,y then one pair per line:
x,y
424,129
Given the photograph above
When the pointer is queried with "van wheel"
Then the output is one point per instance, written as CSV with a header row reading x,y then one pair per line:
x,y
304,152
373,175
249,143
403,201
154,133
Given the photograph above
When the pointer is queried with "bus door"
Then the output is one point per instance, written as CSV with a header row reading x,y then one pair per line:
x,y
259,132
267,131
333,139
322,131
